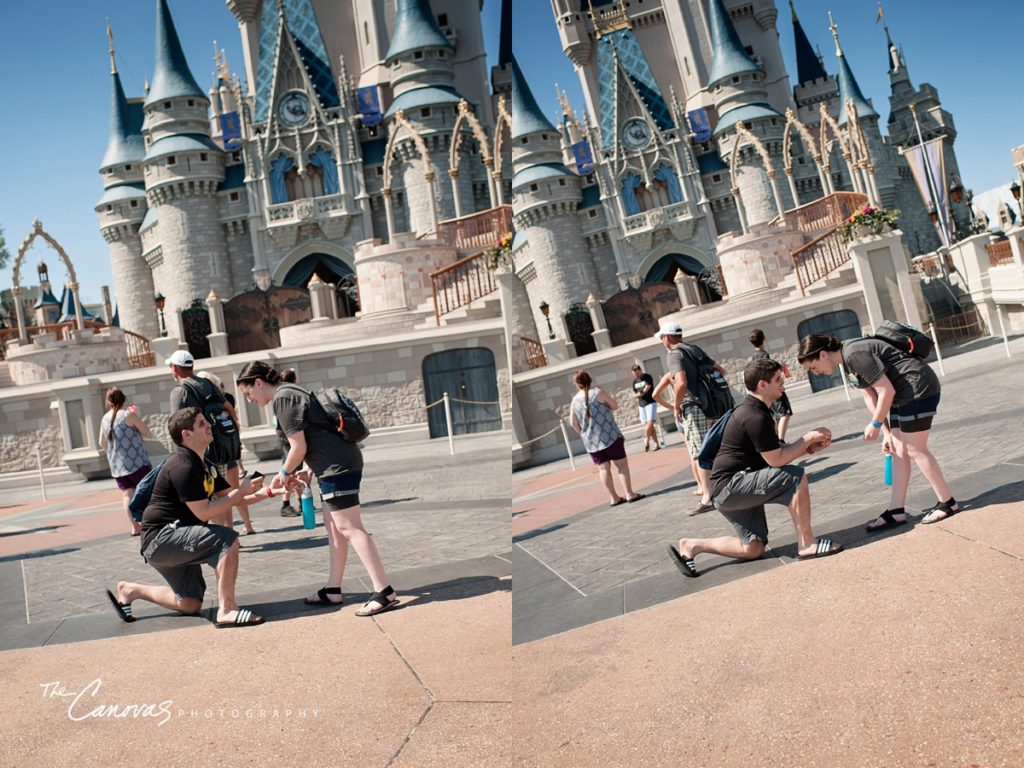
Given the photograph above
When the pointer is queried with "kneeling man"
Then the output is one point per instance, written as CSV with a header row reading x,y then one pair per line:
x,y
751,470
177,538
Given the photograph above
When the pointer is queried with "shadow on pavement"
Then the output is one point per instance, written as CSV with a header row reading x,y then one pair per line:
x,y
835,469
39,553
40,529
998,495
454,589
538,532
385,502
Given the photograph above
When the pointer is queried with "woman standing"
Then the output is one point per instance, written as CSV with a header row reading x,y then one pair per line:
x,y
902,394
338,466
121,433
590,414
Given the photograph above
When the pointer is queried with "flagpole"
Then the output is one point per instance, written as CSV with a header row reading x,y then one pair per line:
x,y
932,191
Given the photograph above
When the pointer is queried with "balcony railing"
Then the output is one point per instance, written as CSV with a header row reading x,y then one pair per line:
x,y
477,230
654,218
140,354
535,357
826,212
461,283
1000,253
307,209
822,255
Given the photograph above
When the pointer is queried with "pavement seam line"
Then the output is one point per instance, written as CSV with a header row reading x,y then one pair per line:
x,y
408,738
980,543
551,569
24,589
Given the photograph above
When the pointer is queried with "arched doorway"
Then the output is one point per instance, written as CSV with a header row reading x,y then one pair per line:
x,y
843,324
471,381
581,329
668,266
330,269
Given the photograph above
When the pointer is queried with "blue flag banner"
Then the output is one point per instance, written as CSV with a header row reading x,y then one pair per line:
x,y
231,128
369,104
700,125
584,160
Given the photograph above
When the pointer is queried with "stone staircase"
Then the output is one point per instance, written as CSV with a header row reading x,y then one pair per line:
x,y
5,375
485,308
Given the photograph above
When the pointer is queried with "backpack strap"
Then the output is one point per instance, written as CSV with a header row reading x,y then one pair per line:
x,y
314,404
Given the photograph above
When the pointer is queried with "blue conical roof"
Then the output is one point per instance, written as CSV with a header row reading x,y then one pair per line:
x,y
527,116
505,39
730,58
849,90
46,299
415,28
808,65
67,307
125,144
171,75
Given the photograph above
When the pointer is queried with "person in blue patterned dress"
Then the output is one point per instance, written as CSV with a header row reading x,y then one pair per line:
x,y
121,433
590,414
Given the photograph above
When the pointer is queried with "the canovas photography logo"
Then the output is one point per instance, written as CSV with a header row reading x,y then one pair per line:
x,y
88,702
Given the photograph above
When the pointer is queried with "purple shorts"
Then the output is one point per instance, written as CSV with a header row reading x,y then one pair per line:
x,y
614,452
127,482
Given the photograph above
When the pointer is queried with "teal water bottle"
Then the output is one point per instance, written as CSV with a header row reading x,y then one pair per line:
x,y
888,469
308,512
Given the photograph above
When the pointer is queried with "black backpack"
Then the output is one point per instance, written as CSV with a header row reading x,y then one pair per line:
x,y
341,415
713,393
227,443
906,338
144,492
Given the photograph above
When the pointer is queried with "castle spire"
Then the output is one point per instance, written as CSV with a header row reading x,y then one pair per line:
x,y
849,90
730,58
124,145
527,116
110,38
415,28
505,39
808,65
171,75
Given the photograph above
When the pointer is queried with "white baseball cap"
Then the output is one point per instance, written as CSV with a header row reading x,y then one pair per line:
x,y
669,329
181,358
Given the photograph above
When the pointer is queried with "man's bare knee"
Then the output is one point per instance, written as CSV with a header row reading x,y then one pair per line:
x,y
190,605
753,549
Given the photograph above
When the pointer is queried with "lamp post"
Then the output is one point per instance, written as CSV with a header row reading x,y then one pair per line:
x,y
44,273
546,311
160,301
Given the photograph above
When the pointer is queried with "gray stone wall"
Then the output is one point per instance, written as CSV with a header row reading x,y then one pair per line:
x,y
27,423
133,285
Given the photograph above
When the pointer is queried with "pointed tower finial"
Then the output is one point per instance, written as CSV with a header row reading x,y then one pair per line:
x,y
792,10
835,33
110,39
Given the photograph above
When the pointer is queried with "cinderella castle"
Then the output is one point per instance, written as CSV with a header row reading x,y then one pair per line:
x,y
695,161
365,151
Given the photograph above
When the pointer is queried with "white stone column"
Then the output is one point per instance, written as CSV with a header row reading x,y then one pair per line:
x,y
792,188
453,173
217,336
499,191
779,207
20,315
432,195
739,209
877,259
601,335
389,213
686,286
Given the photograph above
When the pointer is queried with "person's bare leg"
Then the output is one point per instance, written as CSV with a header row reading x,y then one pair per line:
x,y
337,551
703,482
782,426
243,509
350,524
800,511
622,469
727,546
162,596
604,472
227,575
917,449
900,470
126,496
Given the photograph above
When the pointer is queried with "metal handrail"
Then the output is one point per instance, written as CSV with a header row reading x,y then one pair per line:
x,y
140,353
825,212
477,230
535,355
818,258
461,283
1000,253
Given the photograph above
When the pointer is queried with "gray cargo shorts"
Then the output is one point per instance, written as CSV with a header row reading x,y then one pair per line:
x,y
742,499
178,551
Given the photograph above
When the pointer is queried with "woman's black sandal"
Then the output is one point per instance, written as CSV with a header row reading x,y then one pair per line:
x,y
890,521
322,599
385,599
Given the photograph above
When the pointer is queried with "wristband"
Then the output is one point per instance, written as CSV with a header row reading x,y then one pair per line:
x,y
284,472
270,491
876,424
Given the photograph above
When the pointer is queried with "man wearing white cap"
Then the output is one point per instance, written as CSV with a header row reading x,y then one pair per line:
x,y
690,419
226,448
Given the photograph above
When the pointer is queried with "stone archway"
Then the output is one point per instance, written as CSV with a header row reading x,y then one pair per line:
x,y
793,123
38,231
502,137
403,126
465,117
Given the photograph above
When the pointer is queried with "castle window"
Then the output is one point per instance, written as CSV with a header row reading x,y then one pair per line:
x,y
686,63
233,197
171,160
592,214
366,32
191,102
372,132
128,167
110,171
442,19
715,178
425,112
110,209
417,54
380,171
236,156
133,204
735,79
524,140
543,137
167,105
203,157
534,187
561,182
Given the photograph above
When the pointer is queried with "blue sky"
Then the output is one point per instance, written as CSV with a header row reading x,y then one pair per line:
x,y
56,87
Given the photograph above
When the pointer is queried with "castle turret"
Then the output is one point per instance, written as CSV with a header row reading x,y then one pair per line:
x,y
123,205
420,60
738,87
555,262
182,237
814,85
